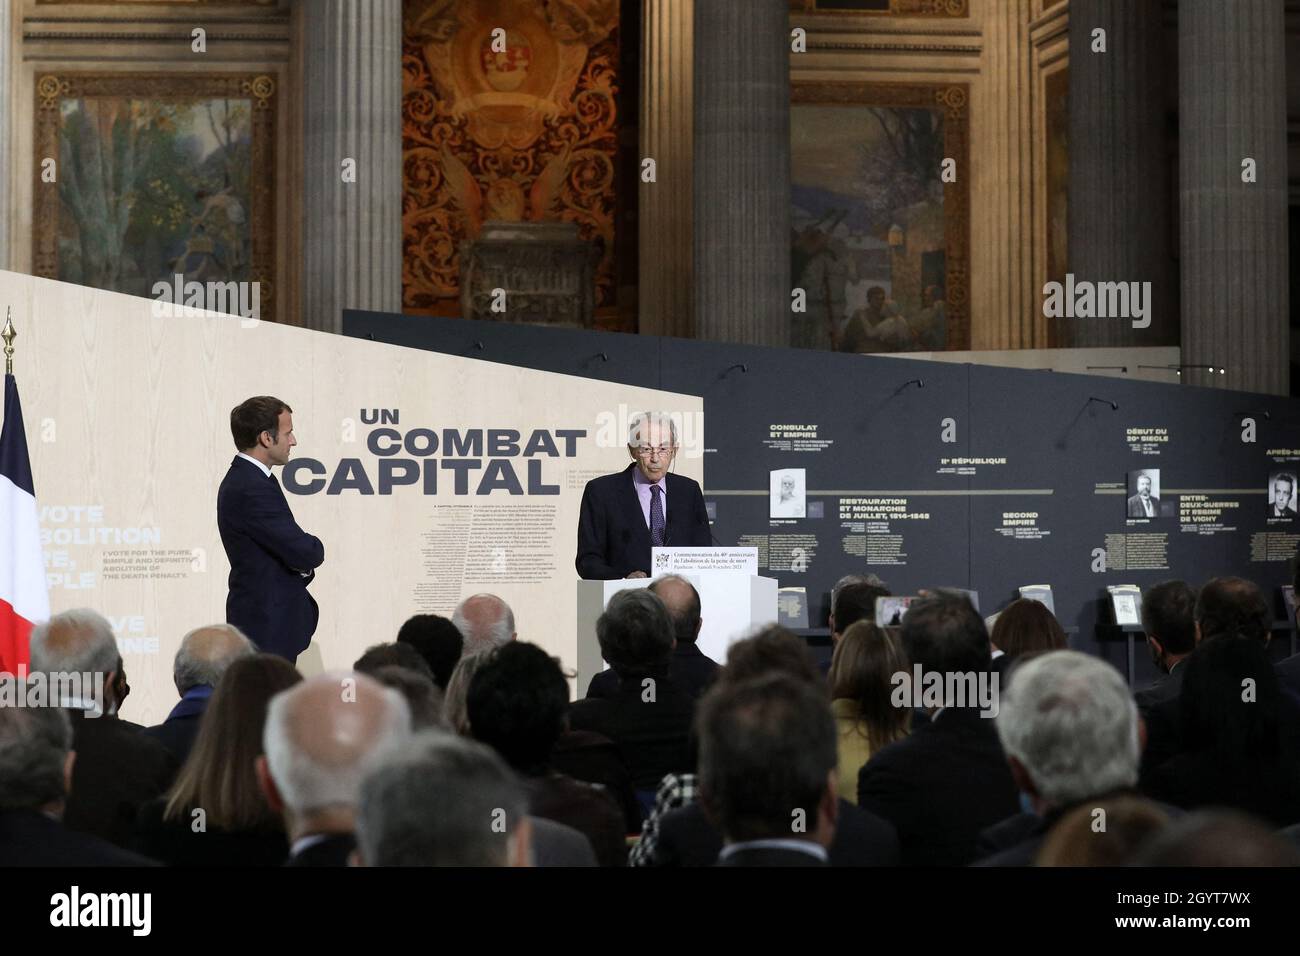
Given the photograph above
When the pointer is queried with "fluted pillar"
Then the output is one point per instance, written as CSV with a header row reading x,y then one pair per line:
x,y
1119,227
742,171
665,290
6,149
1233,236
352,94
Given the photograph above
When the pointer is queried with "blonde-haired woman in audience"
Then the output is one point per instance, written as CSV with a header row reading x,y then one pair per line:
x,y
861,685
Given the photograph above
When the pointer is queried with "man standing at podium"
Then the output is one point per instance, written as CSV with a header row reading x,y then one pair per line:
x,y
272,560
643,506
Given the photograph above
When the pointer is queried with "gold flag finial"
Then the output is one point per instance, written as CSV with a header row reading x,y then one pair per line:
x,y
8,334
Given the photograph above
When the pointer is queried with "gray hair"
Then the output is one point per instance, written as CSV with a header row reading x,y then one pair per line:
x,y
92,651
1071,722
484,635
305,781
442,801
34,745
190,670
647,420
453,704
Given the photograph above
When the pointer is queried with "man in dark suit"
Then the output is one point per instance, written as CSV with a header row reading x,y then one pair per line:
x,y
1069,728
203,657
690,668
117,767
1283,503
626,514
780,731
649,716
1169,620
1144,504
36,767
320,743
272,560
949,780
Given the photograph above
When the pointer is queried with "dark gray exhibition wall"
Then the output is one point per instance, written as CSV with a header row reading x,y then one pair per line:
x,y
1044,444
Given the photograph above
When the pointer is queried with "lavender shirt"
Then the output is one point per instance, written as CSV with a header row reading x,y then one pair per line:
x,y
643,487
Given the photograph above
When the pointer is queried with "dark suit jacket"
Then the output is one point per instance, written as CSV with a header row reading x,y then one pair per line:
x,y
653,737
555,844
175,843
30,838
1166,688
770,856
940,787
613,538
334,850
1135,509
117,770
691,670
178,731
268,597
688,838
586,808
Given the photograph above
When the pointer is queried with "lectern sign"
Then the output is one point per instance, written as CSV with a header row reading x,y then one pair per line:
x,y
685,560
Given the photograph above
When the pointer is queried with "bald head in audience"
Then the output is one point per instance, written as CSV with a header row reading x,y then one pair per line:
x,y
485,621
322,738
205,653
683,604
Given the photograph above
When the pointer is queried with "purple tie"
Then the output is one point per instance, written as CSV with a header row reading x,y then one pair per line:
x,y
656,517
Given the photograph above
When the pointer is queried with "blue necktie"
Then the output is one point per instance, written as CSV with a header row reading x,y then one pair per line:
x,y
656,517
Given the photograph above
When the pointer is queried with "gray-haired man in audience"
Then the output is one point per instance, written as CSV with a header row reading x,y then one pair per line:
x,y
322,737
203,657
485,621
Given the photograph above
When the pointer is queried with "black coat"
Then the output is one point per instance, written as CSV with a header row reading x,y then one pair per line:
x,y
653,737
940,787
613,538
30,838
268,597
690,669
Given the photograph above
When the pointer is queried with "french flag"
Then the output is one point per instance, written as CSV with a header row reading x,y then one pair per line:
x,y
24,600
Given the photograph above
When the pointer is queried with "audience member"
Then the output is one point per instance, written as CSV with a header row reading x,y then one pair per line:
x,y
649,718
117,768
392,655
442,800
948,780
1104,833
203,657
1025,627
485,622
678,832
690,668
767,771
1069,729
439,642
861,682
422,695
1169,620
321,739
517,704
1223,838
215,814
1232,754
853,603
453,703
36,769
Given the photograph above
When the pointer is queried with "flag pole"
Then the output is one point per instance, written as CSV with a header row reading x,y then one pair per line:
x,y
9,334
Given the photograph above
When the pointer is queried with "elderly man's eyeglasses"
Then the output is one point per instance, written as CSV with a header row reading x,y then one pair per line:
x,y
648,451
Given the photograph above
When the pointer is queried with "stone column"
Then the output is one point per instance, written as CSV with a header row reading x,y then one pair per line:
x,y
1233,234
665,290
742,171
6,148
1119,227
352,94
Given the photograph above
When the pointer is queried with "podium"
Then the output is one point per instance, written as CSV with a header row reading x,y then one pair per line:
x,y
732,603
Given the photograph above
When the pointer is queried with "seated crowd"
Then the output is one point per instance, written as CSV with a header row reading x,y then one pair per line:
x,y
457,745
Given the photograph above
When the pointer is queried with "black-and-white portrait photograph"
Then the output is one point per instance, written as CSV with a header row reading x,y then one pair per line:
x,y
787,493
1144,493
1281,494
